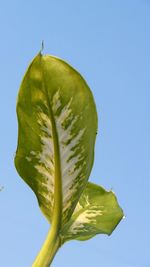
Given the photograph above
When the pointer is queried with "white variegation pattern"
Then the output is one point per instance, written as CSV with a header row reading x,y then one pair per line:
x,y
86,215
71,152
45,160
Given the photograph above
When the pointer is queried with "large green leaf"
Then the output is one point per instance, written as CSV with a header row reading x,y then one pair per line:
x,y
57,129
97,212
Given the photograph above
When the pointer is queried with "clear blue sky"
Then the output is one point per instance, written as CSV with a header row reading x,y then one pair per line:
x,y
109,43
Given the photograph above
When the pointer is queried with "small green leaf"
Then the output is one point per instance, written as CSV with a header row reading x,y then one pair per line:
x,y
97,212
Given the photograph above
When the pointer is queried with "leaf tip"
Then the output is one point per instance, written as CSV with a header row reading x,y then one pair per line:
x,y
42,47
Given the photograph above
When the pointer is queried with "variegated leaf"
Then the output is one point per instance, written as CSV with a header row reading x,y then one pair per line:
x,y
97,212
57,128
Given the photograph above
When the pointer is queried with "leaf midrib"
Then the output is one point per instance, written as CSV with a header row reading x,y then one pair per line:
x,y
57,209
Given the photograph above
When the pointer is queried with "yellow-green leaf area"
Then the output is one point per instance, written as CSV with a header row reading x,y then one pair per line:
x,y
97,212
57,123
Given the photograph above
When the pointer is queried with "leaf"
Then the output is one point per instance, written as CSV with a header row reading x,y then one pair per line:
x,y
57,128
57,122
97,212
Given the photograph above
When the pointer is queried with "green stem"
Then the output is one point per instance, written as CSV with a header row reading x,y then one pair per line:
x,y
52,242
48,250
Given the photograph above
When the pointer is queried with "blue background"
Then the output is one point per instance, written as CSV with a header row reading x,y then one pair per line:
x,y
109,43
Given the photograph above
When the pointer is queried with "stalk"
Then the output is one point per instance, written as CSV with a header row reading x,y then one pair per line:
x,y
48,250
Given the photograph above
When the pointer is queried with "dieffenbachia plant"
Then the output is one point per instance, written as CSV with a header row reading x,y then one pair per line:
x,y
57,129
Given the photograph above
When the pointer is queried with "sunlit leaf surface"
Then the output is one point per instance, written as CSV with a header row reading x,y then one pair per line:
x,y
97,212
57,129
